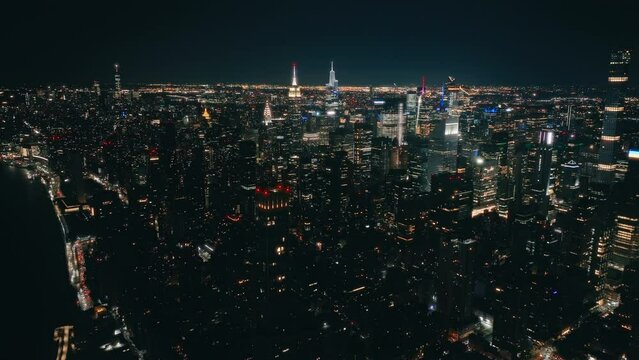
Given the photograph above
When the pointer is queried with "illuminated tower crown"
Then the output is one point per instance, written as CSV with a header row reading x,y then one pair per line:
x,y
294,90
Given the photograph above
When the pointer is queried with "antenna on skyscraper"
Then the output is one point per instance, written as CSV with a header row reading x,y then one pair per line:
x,y
294,81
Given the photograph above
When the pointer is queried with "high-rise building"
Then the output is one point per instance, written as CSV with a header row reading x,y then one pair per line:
x,y
445,135
332,97
411,111
613,110
457,271
453,196
118,86
422,124
417,150
247,165
294,91
625,243
390,122
511,299
332,82
272,206
628,310
485,184
268,114
96,88
569,185
293,135
544,182
339,180
362,149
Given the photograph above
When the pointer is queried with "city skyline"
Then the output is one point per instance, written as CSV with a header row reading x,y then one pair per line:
x,y
320,180
448,222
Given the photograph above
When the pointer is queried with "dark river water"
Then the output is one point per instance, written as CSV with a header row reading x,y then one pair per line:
x,y
37,296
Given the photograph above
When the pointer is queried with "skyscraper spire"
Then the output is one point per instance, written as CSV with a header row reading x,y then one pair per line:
x,y
332,82
294,90
268,115
294,81
421,113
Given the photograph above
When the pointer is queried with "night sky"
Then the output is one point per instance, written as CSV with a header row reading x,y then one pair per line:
x,y
371,42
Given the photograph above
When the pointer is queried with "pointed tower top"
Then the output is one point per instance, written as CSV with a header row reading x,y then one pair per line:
x,y
294,89
268,115
294,81
331,66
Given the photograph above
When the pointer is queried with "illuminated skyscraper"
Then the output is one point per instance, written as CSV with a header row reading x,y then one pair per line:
x,y
485,184
268,115
293,135
544,183
332,97
401,125
625,246
614,107
411,112
569,184
445,135
118,86
339,177
362,148
294,90
96,88
332,82
422,123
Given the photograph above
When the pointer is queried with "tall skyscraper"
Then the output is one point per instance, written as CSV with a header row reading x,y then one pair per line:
x,y
332,97
268,115
96,88
118,86
332,82
293,135
422,123
485,184
294,90
401,125
246,166
445,135
544,184
614,107
457,272
625,246
339,176
362,149
569,185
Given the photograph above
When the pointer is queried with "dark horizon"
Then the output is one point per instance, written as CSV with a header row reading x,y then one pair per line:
x,y
372,43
